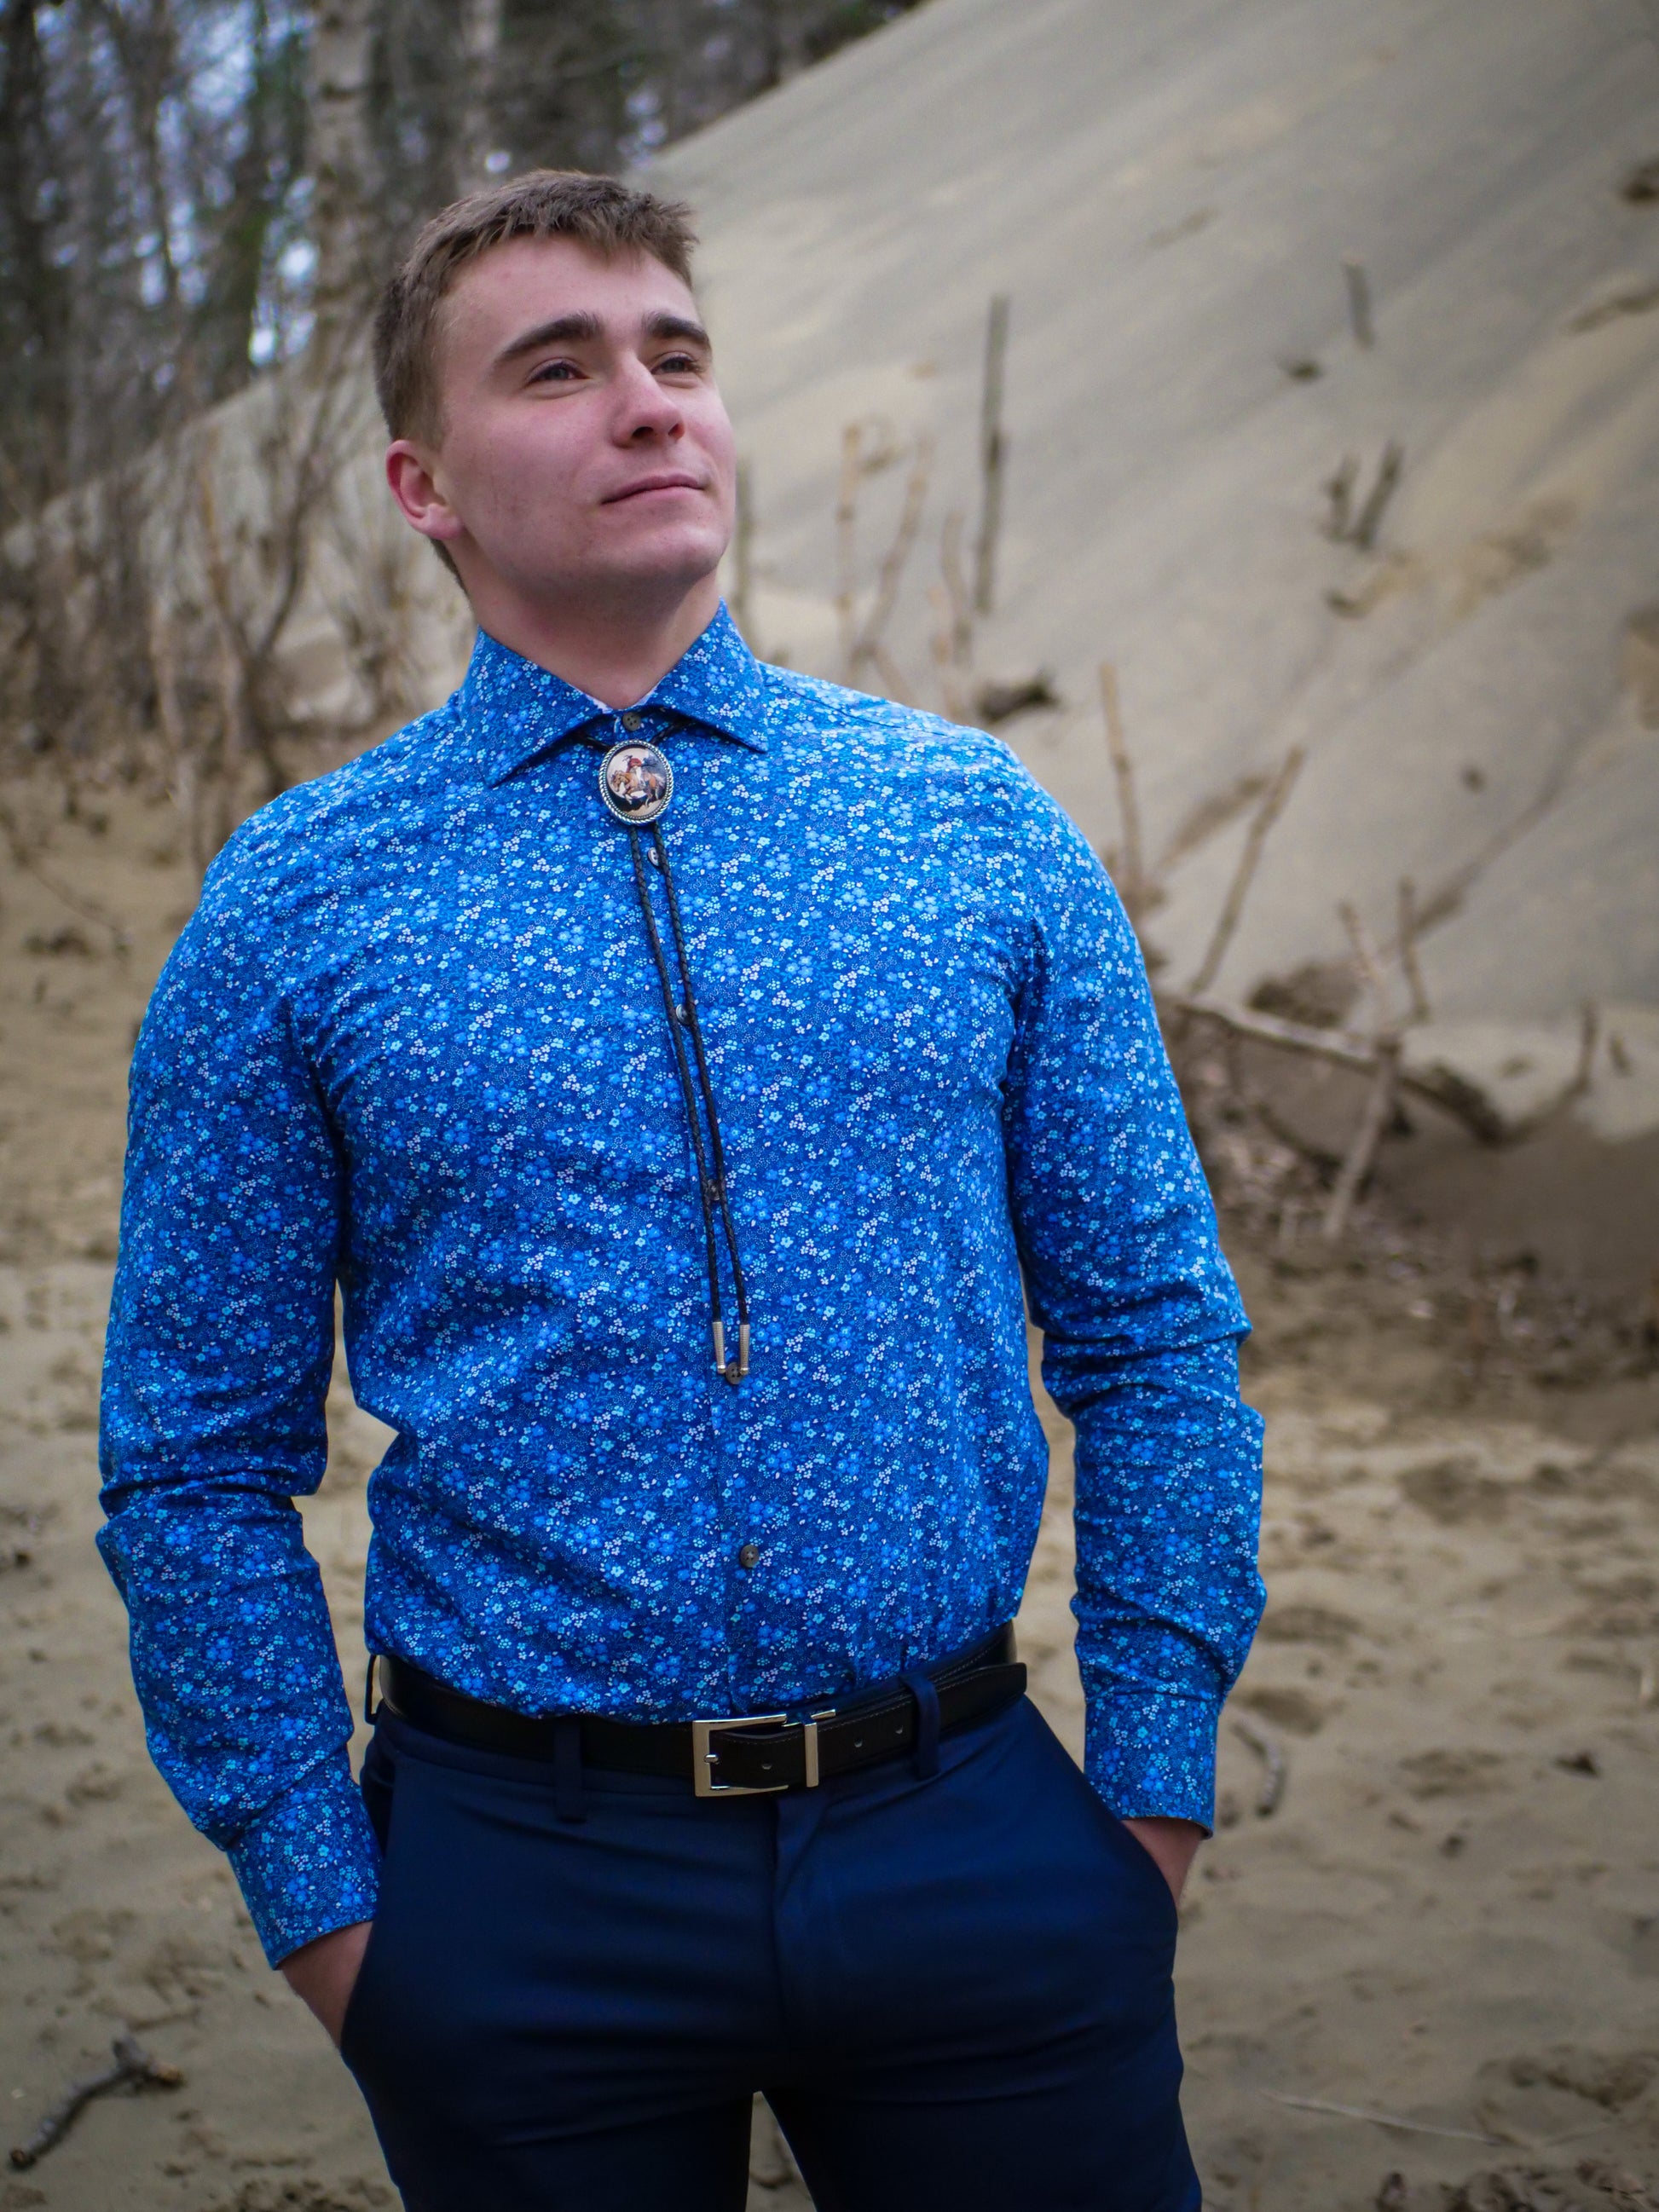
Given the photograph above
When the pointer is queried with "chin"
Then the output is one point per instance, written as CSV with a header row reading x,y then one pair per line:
x,y
672,556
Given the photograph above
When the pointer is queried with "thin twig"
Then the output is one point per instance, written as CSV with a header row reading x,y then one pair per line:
x,y
1359,302
134,2068
1368,962
846,517
1589,1031
1271,1751
1273,805
1437,1086
1384,2120
1368,520
870,640
1133,871
993,454
955,586
1339,490
1410,966
1374,1119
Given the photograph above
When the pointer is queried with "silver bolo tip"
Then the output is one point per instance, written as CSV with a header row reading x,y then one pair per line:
x,y
720,1345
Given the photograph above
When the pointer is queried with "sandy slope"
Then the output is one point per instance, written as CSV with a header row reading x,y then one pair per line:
x,y
1452,1917
1167,193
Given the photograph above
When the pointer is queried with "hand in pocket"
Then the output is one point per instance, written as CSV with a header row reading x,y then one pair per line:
x,y
322,1974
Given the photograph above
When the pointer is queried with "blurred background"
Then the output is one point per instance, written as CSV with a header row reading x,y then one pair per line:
x,y
1251,415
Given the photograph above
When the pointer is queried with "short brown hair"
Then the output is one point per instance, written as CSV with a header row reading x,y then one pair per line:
x,y
611,218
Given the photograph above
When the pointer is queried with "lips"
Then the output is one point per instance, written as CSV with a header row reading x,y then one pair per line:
x,y
670,480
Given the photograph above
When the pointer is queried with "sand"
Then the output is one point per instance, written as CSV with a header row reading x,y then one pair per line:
x,y
1449,1920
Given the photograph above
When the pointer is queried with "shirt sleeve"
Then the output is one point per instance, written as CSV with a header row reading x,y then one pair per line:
x,y
219,1346
1141,1323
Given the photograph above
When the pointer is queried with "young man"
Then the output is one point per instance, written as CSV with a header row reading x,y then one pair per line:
x,y
681,1065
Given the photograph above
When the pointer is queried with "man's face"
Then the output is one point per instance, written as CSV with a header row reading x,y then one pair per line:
x,y
585,453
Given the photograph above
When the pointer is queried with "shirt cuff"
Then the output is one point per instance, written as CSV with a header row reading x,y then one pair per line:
x,y
310,1863
1151,1753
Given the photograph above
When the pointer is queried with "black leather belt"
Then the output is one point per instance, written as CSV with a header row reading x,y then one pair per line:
x,y
739,1755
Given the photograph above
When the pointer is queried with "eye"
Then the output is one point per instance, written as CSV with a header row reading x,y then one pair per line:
x,y
552,371
679,364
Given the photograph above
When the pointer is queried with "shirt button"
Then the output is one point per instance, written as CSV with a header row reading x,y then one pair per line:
x,y
633,721
747,1555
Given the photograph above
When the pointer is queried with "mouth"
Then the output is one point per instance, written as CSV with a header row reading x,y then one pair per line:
x,y
667,480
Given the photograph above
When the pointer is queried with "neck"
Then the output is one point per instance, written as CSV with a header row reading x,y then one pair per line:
x,y
616,652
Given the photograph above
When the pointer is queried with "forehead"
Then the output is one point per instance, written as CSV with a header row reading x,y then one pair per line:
x,y
513,288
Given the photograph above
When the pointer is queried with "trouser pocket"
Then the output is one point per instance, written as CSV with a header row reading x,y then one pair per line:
x,y
381,1801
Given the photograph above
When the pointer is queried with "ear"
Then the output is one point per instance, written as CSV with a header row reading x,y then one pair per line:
x,y
419,489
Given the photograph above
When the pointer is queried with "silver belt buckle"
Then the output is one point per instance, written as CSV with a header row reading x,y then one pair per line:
x,y
704,1758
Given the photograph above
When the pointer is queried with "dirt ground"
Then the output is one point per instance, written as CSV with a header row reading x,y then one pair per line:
x,y
1436,1956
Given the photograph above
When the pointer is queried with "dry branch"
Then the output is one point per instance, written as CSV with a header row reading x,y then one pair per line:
x,y
1368,961
1271,1753
1368,520
1338,491
1437,1086
1133,883
134,2068
1589,1030
890,574
993,454
1379,2120
1406,947
1273,805
847,522
1359,302
1375,1117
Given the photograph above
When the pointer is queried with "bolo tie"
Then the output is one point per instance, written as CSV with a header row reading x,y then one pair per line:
x,y
636,782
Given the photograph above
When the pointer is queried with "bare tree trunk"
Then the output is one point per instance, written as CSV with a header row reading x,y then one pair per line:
x,y
340,171
481,42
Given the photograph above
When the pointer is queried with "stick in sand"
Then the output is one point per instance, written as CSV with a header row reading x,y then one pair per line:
x,y
993,455
1374,1119
1383,2119
1339,490
1369,962
847,516
1589,1031
134,2068
1359,302
1409,963
870,640
1368,520
1273,805
1271,1755
1134,886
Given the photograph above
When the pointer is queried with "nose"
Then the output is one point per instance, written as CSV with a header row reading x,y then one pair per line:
x,y
645,411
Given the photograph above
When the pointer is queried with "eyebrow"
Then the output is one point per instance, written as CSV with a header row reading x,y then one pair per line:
x,y
584,328
679,326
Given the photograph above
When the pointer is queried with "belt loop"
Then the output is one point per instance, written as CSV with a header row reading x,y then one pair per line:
x,y
921,1688
568,1800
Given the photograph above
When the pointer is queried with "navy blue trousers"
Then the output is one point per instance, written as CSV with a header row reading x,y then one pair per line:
x,y
954,1991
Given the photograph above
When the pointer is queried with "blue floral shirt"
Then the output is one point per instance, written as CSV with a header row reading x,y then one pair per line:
x,y
412,1043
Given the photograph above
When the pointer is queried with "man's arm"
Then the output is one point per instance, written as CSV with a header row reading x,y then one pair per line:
x,y
220,1341
1140,1321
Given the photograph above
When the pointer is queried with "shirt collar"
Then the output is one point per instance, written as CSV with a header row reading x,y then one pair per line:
x,y
510,709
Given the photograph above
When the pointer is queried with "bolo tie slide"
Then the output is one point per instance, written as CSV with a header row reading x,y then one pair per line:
x,y
637,783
